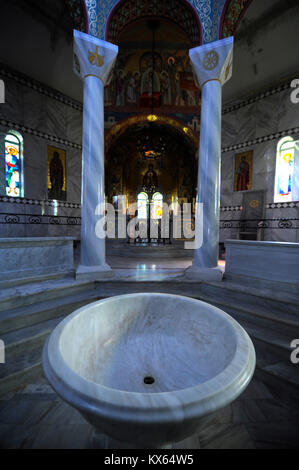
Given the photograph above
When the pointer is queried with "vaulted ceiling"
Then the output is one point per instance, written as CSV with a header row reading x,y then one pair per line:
x,y
36,39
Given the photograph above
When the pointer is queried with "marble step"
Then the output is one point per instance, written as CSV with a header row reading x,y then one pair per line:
x,y
5,284
27,294
280,345
278,307
268,328
23,369
289,372
282,380
148,253
285,310
27,339
22,317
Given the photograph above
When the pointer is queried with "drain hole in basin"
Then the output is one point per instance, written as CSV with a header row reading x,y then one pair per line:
x,y
149,380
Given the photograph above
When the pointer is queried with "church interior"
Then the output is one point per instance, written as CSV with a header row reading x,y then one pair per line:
x,y
149,165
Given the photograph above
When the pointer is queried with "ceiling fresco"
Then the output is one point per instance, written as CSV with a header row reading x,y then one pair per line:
x,y
210,14
159,80
233,13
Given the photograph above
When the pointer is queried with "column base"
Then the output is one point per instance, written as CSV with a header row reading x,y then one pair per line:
x,y
195,273
94,273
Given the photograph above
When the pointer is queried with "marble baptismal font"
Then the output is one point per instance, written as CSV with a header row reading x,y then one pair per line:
x,y
144,369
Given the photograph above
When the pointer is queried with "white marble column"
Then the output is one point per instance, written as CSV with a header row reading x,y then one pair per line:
x,y
212,65
93,63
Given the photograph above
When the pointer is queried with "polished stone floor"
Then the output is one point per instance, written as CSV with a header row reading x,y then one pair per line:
x,y
36,418
147,269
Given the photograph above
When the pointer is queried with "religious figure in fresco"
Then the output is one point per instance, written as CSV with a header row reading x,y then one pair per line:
x,y
150,82
165,88
150,179
120,89
179,101
131,95
243,173
137,85
56,176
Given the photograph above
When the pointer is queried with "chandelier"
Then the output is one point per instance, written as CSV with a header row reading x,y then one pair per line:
x,y
151,146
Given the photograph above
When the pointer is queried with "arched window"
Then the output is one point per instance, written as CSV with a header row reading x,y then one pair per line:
x,y
157,206
142,204
286,186
14,164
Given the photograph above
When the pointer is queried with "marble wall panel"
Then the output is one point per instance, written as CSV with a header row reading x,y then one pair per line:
x,y
12,231
56,118
35,154
225,234
226,215
226,193
264,157
284,235
229,129
35,182
74,123
34,109
288,112
246,123
227,166
12,109
267,117
74,168
12,208
237,198
267,234
73,231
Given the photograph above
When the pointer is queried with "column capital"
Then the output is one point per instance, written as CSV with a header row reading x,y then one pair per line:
x,y
213,61
93,57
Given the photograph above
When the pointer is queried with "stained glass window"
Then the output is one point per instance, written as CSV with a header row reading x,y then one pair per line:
x,y
285,183
157,206
142,204
13,164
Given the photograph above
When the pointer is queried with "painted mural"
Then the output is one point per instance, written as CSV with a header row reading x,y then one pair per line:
x,y
56,174
176,11
232,15
243,171
207,11
137,84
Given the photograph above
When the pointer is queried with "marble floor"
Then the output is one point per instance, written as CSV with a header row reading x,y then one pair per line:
x,y
36,418
147,269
